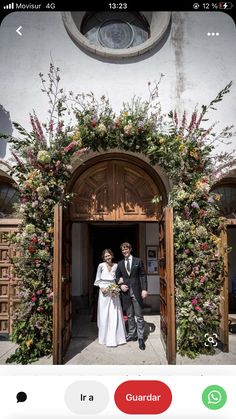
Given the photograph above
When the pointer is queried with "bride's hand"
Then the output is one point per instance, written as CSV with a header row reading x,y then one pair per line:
x,y
104,290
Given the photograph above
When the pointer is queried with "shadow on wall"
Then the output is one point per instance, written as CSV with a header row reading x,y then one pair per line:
x,y
5,128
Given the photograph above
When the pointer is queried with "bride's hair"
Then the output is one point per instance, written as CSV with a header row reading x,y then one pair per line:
x,y
107,251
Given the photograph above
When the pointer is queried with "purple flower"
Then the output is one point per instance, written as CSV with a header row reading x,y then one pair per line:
x,y
195,205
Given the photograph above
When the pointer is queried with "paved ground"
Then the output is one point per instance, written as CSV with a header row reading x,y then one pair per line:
x,y
85,350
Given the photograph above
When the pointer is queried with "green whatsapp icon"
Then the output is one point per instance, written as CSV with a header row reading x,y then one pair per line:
x,y
214,397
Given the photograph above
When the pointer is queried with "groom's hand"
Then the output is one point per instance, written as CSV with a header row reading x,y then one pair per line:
x,y
124,287
144,294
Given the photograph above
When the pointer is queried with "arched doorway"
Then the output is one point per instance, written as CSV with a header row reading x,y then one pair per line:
x,y
116,197
113,202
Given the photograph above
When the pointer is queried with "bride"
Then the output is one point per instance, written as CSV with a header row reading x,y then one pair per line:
x,y
109,317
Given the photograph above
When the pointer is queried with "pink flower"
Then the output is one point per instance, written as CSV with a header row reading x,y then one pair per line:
x,y
51,125
194,301
33,299
57,166
117,123
193,121
127,129
197,308
60,126
94,122
50,295
186,251
176,118
39,292
196,269
202,279
70,146
81,151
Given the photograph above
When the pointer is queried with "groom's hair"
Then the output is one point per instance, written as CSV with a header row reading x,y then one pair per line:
x,y
125,244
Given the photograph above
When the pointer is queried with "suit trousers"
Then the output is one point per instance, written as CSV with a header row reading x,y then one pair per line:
x,y
135,310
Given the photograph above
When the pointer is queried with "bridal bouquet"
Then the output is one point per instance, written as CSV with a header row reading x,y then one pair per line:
x,y
113,290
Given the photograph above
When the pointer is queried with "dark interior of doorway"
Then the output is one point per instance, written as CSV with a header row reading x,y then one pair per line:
x,y
110,237
231,230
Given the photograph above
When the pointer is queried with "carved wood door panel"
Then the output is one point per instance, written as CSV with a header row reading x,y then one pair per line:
x,y
8,281
62,280
115,190
167,286
224,295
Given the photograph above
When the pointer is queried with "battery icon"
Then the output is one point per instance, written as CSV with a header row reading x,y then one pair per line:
x,y
227,5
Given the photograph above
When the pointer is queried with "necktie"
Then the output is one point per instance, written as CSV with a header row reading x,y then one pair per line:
x,y
128,266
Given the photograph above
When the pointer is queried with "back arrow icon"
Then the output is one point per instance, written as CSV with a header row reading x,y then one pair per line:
x,y
18,30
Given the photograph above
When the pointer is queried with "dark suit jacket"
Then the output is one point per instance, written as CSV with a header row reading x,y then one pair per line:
x,y
137,280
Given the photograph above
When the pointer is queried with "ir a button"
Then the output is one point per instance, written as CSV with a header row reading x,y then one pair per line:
x,y
143,397
86,397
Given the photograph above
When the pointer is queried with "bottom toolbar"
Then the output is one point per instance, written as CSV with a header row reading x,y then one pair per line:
x,y
64,397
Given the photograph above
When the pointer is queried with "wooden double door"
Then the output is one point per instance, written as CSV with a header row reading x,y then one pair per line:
x,y
62,325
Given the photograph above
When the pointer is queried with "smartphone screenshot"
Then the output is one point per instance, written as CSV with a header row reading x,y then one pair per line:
x,y
117,210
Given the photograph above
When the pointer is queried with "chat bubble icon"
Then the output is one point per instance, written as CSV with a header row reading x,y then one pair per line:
x,y
214,397
21,397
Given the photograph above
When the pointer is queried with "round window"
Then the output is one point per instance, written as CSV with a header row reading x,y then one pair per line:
x,y
118,34
116,30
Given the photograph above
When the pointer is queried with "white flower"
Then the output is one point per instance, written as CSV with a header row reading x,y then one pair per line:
x,y
101,129
43,157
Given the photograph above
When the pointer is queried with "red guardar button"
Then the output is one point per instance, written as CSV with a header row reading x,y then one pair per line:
x,y
143,397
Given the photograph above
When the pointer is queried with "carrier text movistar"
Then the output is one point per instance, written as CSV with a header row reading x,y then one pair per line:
x,y
28,6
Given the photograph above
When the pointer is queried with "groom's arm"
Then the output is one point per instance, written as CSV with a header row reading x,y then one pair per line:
x,y
120,280
118,275
142,276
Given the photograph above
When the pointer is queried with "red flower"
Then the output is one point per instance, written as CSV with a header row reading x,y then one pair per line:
x,y
204,246
33,299
117,123
31,249
202,213
94,122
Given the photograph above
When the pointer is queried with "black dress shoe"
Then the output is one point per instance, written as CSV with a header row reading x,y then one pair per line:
x,y
141,344
129,338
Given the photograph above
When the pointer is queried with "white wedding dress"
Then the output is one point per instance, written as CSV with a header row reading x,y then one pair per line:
x,y
109,316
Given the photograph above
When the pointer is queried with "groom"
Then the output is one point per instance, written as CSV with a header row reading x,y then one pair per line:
x,y
131,276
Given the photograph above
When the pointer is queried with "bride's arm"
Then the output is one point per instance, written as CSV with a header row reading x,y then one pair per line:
x,y
98,280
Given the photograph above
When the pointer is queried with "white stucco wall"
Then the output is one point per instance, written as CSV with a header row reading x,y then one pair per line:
x,y
195,65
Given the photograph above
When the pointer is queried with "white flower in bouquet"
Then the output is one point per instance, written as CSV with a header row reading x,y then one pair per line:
x,y
113,290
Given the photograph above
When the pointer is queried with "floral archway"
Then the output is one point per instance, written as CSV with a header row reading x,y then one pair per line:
x,y
180,145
